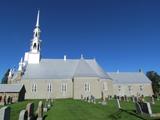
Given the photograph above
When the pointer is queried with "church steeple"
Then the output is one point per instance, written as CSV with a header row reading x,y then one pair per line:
x,y
34,55
35,46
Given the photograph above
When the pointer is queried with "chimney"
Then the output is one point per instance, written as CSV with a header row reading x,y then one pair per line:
x,y
65,57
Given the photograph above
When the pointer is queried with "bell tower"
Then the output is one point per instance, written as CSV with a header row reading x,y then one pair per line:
x,y
33,56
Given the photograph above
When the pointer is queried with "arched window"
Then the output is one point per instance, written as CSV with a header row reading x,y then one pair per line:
x,y
38,47
105,87
49,87
34,45
87,87
64,87
141,88
34,88
119,88
129,87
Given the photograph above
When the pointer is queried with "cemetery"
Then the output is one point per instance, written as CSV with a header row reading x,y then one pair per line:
x,y
120,108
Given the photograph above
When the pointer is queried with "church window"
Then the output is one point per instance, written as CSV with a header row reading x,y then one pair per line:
x,y
49,87
129,88
38,47
105,87
141,88
64,87
119,88
87,87
34,45
34,88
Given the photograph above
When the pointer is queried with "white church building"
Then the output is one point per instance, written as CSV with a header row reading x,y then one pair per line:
x,y
72,78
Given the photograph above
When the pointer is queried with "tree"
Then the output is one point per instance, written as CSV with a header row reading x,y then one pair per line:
x,y
155,78
5,77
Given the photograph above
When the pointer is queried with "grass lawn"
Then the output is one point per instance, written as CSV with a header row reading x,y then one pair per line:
x,y
68,109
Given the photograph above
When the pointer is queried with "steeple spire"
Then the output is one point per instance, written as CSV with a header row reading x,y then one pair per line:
x,y
37,23
35,46
34,55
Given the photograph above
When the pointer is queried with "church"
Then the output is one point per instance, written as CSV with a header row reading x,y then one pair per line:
x,y
72,78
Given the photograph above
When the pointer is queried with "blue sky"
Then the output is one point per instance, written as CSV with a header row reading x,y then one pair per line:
x,y
120,34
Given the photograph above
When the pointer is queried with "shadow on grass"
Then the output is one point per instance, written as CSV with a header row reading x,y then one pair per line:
x,y
117,115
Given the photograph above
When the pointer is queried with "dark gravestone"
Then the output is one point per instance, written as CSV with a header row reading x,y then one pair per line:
x,y
138,108
146,107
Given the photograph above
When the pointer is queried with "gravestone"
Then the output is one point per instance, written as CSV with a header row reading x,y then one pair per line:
x,y
40,110
136,99
49,104
23,115
103,99
118,104
81,97
45,108
152,100
4,100
5,113
138,108
146,108
52,102
30,110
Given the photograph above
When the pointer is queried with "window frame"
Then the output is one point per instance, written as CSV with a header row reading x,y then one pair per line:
x,y
87,87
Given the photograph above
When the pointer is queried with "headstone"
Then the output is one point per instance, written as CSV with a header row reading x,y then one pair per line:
x,y
23,115
136,99
138,108
5,101
81,97
40,110
118,104
146,108
45,108
5,113
127,99
88,100
49,104
30,110
52,101
133,99
152,100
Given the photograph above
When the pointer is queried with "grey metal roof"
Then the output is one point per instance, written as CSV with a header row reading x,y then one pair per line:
x,y
98,69
10,87
61,69
129,77
84,69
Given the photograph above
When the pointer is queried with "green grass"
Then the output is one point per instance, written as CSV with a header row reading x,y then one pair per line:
x,y
69,109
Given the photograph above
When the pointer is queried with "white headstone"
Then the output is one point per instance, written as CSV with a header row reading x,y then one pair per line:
x,y
5,113
40,110
30,110
23,115
118,104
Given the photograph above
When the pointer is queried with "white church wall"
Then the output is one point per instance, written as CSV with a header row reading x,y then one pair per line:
x,y
42,91
133,89
107,87
80,88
